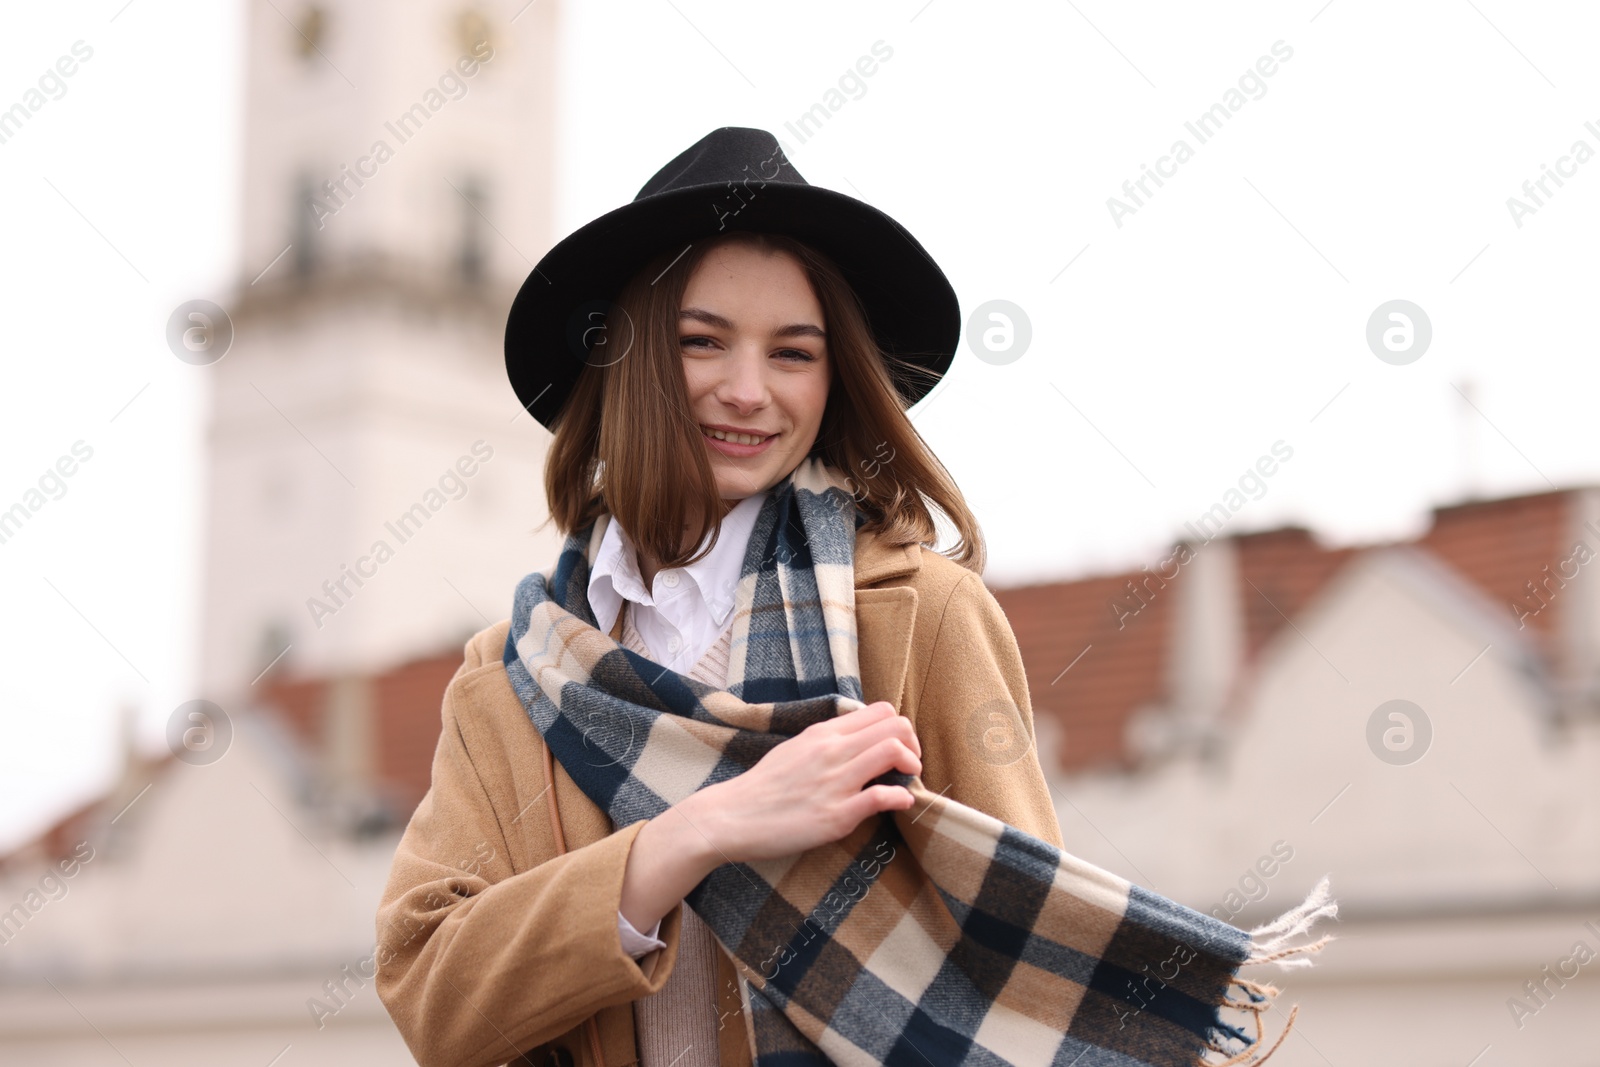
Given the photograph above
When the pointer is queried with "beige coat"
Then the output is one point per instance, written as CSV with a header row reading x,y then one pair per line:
x,y
492,942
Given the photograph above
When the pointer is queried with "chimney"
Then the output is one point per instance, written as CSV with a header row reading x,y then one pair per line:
x,y
349,761
347,740
1204,654
1578,607
128,726
1468,420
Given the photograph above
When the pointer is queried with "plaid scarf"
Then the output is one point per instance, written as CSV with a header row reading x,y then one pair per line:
x,y
936,935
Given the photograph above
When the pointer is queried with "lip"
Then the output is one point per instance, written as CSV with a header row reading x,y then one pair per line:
x,y
728,448
735,429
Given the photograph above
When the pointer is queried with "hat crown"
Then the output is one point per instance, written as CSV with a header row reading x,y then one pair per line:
x,y
725,155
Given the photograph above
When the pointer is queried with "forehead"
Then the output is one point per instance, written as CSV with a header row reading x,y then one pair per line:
x,y
741,277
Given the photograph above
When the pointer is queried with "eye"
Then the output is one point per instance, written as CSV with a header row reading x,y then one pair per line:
x,y
703,343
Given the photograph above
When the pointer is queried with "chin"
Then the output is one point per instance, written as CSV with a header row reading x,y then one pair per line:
x,y
739,483
739,493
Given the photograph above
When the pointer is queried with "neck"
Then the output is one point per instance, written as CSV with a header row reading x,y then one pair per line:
x,y
649,565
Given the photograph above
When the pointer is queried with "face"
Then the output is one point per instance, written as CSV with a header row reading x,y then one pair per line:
x,y
755,358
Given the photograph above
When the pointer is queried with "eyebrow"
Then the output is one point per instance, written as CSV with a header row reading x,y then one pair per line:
x,y
711,318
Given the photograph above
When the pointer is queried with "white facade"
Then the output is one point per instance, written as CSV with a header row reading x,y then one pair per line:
x,y
1460,876
205,926
357,384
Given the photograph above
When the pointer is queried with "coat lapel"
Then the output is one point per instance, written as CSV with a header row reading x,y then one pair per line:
x,y
883,616
885,641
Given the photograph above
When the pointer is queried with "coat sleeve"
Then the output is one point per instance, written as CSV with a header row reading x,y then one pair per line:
x,y
477,962
973,716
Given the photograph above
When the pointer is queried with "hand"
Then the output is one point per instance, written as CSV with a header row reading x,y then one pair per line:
x,y
808,790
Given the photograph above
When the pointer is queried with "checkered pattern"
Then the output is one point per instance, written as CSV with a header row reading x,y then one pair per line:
x,y
937,935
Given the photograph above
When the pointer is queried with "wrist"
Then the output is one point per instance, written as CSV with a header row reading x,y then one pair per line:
x,y
690,829
662,868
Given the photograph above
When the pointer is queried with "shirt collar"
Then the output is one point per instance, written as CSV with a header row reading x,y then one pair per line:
x,y
615,574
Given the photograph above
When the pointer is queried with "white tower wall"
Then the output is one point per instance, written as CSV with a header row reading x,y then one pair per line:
x,y
367,358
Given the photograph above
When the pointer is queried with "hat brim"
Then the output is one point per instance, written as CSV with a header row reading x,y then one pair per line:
x,y
911,307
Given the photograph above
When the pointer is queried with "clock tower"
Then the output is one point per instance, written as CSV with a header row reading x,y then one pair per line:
x,y
372,484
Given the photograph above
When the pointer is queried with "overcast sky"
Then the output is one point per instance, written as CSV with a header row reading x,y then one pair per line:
x,y
1177,332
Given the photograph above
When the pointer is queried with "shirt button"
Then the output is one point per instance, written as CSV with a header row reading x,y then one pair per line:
x,y
674,644
670,579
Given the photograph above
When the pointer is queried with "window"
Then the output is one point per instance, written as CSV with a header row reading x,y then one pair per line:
x,y
305,224
472,254
309,31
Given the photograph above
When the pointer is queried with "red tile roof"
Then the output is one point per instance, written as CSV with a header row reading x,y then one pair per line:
x,y
1091,657
406,700
1502,545
1498,545
58,840
405,711
1125,665
1280,571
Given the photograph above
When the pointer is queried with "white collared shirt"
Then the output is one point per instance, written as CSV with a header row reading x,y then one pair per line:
x,y
687,608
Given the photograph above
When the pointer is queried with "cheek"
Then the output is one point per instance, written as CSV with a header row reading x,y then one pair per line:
x,y
694,378
816,400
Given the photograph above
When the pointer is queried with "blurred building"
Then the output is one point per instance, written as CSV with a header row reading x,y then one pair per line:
x,y
1419,720
1221,725
372,497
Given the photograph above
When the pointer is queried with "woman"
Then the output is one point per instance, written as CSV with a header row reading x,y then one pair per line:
x,y
746,505
510,954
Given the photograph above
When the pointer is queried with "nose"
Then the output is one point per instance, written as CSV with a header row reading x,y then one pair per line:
x,y
744,383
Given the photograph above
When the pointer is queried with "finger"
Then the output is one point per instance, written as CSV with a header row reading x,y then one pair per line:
x,y
848,721
862,717
886,798
890,753
901,725
897,725
869,802
907,733
851,745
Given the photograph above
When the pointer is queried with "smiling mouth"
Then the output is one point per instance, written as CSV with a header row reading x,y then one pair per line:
x,y
735,438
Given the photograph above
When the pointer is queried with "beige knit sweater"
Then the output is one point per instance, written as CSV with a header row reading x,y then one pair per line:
x,y
677,1027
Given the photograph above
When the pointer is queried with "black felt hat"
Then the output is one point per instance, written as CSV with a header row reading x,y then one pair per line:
x,y
734,178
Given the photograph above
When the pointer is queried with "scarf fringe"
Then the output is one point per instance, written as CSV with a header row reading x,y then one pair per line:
x,y
1254,1054
1270,943
1268,940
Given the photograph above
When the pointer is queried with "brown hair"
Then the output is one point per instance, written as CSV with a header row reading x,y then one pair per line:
x,y
626,441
